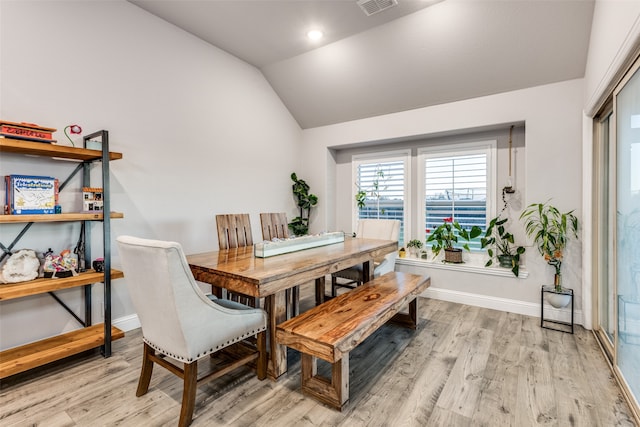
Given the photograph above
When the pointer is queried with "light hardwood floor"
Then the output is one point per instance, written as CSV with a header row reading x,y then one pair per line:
x,y
464,366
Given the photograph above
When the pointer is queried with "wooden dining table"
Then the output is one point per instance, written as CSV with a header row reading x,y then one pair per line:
x,y
239,271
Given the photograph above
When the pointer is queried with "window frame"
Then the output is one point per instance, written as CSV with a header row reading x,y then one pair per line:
x,y
487,147
380,157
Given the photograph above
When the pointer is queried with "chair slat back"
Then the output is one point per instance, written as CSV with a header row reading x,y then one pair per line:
x,y
234,230
274,224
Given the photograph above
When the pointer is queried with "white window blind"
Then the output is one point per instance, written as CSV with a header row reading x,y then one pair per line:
x,y
383,184
456,184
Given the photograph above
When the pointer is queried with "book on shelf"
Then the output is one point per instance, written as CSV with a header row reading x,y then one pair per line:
x,y
26,131
27,194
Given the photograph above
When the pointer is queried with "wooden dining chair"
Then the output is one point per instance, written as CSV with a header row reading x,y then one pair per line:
x,y
181,325
387,229
234,231
275,225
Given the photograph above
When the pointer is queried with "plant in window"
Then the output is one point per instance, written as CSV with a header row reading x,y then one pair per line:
x,y
373,192
446,236
551,231
501,245
414,246
300,225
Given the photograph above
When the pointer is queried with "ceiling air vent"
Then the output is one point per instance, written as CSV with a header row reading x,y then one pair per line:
x,y
371,7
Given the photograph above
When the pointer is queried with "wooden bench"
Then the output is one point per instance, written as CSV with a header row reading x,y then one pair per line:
x,y
331,330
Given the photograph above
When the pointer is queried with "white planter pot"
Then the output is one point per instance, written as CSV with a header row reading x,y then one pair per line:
x,y
558,300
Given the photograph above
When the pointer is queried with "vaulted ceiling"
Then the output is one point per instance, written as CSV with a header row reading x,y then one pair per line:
x,y
416,54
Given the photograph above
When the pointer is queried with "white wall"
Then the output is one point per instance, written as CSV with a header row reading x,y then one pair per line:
x,y
552,115
614,44
201,132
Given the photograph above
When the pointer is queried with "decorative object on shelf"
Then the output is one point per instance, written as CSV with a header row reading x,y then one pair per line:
x,y
414,246
26,194
98,265
75,130
423,254
92,199
402,252
373,192
63,265
26,131
550,230
501,245
447,234
22,266
299,225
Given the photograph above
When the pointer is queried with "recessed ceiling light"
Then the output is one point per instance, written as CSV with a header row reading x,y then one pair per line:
x,y
315,34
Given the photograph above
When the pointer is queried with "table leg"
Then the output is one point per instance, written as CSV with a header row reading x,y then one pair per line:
x,y
367,271
276,307
320,282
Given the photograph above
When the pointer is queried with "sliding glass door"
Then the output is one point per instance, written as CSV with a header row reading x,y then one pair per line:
x,y
605,212
627,249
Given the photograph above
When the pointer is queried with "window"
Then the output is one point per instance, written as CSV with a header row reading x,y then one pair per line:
x,y
381,187
456,182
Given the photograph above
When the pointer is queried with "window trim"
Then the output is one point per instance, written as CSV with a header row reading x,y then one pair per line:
x,y
383,156
488,147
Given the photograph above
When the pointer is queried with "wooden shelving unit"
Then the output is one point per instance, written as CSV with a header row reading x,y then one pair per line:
x,y
31,355
28,356
39,286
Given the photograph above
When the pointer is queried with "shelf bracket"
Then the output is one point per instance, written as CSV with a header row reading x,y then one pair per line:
x,y
75,316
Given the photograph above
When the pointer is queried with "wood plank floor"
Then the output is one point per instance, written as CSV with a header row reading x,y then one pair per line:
x,y
464,366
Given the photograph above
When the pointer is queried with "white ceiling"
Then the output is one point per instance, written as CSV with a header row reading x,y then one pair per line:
x,y
416,54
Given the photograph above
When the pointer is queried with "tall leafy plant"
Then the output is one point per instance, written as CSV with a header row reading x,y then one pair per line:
x,y
550,230
299,225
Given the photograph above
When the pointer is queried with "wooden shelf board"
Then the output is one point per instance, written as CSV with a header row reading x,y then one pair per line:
x,y
28,356
17,146
73,216
39,286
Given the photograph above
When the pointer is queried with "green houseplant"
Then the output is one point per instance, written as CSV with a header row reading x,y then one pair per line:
x,y
446,235
414,246
550,230
299,225
501,245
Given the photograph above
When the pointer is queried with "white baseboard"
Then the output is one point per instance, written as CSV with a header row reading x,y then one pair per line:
x,y
131,322
127,323
503,304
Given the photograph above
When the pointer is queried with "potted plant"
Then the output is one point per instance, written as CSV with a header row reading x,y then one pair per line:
x,y
447,234
551,230
501,245
299,225
402,252
414,246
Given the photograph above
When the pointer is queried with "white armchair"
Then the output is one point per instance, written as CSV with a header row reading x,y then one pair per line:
x,y
180,322
387,229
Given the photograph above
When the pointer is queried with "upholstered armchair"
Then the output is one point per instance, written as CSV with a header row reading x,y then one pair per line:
x,y
180,323
386,229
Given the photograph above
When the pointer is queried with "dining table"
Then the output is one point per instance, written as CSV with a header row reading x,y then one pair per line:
x,y
238,270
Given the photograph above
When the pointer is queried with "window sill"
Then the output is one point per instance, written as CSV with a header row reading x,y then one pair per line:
x,y
470,266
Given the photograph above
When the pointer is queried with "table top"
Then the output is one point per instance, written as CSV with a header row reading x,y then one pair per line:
x,y
238,270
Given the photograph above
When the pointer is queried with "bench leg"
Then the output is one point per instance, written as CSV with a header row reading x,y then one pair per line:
x,y
407,320
334,393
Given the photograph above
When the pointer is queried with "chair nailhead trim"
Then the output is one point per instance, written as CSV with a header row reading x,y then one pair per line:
x,y
212,350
